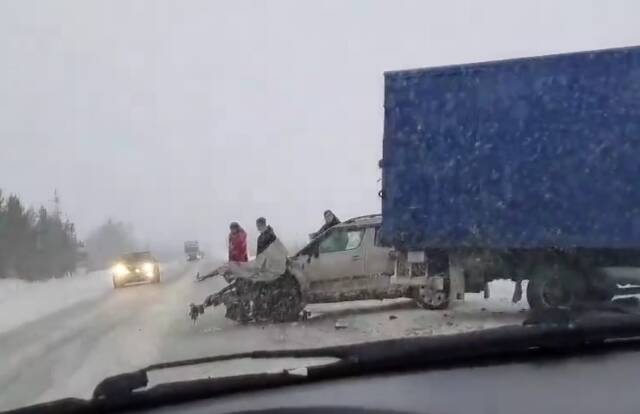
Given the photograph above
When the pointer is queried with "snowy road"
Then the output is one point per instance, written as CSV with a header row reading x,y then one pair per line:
x,y
68,351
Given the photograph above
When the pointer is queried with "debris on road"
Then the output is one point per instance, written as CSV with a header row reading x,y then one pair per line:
x,y
341,325
392,317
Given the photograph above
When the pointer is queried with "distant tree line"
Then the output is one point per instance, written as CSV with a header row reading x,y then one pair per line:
x,y
40,245
106,243
36,245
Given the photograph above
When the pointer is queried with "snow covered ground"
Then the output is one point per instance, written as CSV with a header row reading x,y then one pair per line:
x,y
401,317
61,337
22,302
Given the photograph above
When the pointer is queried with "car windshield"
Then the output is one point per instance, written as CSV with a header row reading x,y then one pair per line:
x,y
181,179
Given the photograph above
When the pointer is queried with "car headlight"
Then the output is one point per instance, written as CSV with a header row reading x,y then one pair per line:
x,y
120,270
148,269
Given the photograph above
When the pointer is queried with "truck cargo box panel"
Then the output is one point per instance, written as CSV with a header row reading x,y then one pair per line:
x,y
525,153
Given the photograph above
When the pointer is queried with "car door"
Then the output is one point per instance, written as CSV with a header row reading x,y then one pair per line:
x,y
339,256
378,265
378,258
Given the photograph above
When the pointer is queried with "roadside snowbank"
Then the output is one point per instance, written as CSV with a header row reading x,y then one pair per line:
x,y
22,302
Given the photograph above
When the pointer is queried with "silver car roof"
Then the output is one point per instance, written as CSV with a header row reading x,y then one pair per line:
x,y
369,220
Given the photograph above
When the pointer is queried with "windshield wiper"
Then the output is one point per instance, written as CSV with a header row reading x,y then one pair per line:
x,y
593,332
127,382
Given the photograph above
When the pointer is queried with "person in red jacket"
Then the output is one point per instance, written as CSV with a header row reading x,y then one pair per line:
x,y
237,243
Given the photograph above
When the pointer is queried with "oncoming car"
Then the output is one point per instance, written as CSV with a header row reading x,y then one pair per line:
x,y
136,267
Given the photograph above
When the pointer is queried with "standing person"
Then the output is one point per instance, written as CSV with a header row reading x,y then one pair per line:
x,y
237,243
330,220
266,237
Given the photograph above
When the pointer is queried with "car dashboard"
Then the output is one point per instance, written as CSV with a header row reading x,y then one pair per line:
x,y
600,383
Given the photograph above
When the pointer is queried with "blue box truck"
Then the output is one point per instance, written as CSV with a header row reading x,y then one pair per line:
x,y
192,250
527,169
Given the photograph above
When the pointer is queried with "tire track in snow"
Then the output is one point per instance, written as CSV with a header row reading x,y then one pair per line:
x,y
42,353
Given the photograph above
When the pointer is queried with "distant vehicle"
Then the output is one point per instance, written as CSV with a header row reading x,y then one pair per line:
x,y
137,267
192,250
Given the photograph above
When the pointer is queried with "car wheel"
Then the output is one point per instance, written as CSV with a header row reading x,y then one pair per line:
x,y
431,299
286,299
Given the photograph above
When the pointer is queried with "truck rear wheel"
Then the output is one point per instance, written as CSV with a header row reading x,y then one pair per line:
x,y
555,286
600,287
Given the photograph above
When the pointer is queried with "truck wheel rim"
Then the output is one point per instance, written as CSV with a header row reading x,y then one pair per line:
x,y
555,293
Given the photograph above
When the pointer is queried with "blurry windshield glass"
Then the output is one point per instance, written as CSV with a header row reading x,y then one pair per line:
x,y
187,179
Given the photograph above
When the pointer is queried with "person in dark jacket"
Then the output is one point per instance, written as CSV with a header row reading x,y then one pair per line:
x,y
266,237
237,243
330,220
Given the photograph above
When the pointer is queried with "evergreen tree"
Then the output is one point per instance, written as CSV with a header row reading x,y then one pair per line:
x,y
35,245
109,241
17,233
3,237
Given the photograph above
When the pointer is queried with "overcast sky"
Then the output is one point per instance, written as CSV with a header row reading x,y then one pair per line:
x,y
180,116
